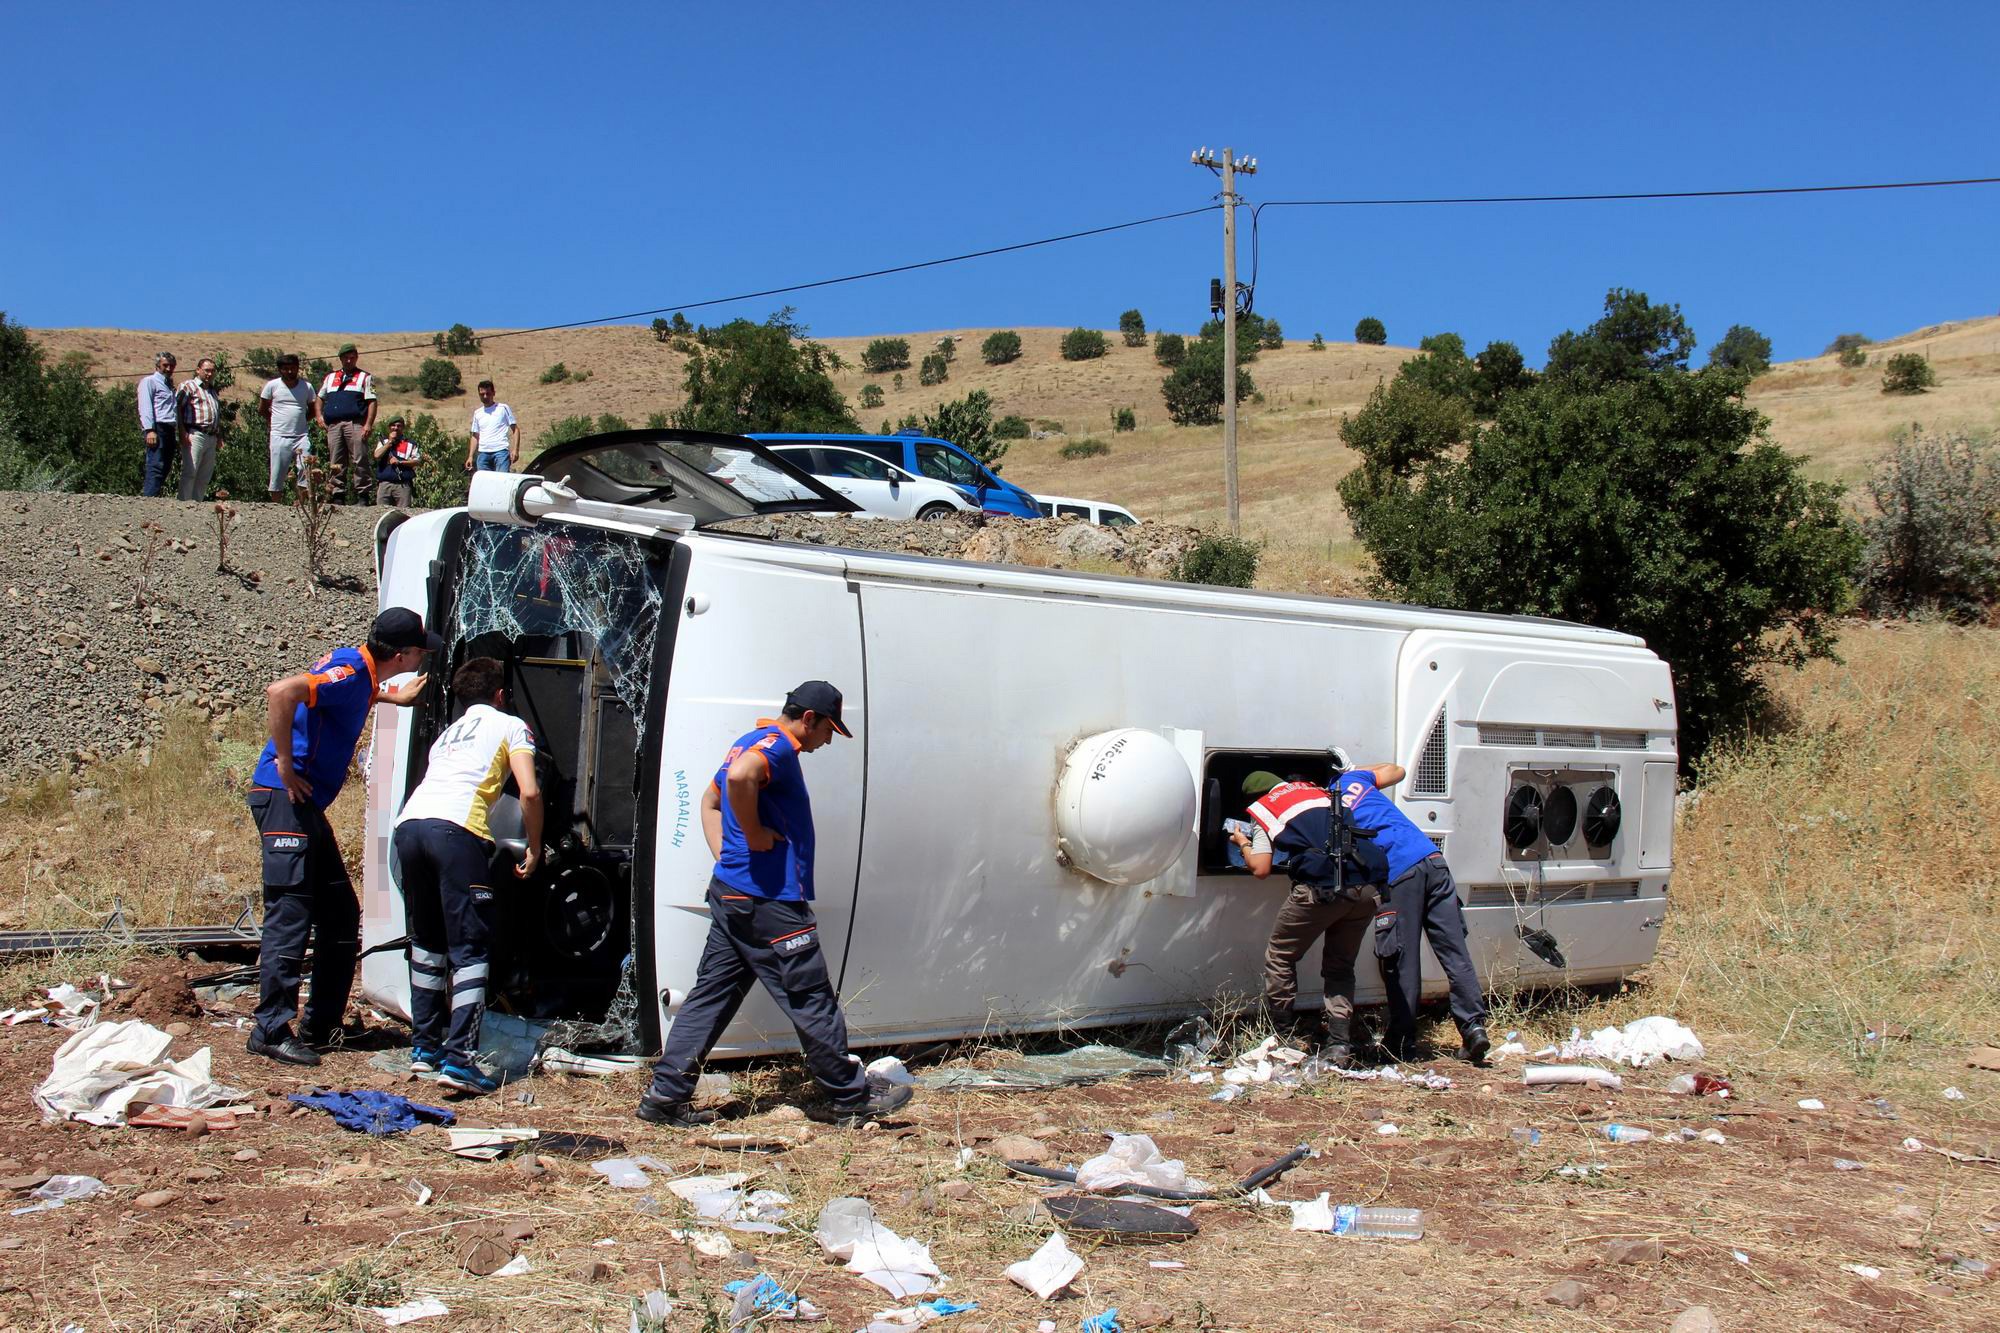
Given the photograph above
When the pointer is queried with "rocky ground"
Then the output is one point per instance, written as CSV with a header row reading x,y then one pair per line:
x,y
105,621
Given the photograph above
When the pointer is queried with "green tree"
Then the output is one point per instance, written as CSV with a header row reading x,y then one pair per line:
x,y
1132,326
1124,419
458,340
1403,426
1845,345
1497,372
1270,337
1652,504
1742,349
1084,345
886,354
662,330
262,361
1220,559
947,347
1011,428
871,395
1249,336
1908,372
968,423
933,371
564,429
1193,393
1369,330
762,377
1632,339
1318,344
441,479
1169,349
1442,366
438,378
1001,347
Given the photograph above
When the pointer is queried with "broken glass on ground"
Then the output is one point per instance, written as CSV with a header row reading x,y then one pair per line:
x,y
1058,1069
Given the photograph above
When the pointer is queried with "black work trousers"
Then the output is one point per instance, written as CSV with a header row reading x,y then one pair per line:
x,y
307,894
753,940
449,910
1424,901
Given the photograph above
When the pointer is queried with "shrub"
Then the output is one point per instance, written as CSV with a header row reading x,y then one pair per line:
x,y
1933,543
1249,336
458,340
885,354
1370,330
1270,337
1318,344
1124,419
1193,393
401,383
933,371
565,429
1742,349
1908,372
680,325
1219,559
1084,345
947,347
559,372
1843,343
1132,325
262,361
1169,349
438,378
967,423
897,381
441,478
871,395
317,370
1076,449
1000,348
1853,357
1011,428
662,330
761,377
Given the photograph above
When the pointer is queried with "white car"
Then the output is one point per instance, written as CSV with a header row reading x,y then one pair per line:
x,y
1094,511
882,489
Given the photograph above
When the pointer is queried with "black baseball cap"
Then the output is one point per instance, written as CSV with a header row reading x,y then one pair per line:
x,y
400,627
819,697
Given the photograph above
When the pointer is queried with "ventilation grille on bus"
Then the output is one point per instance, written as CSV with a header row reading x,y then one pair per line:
x,y
1437,840
1431,767
1559,738
1549,895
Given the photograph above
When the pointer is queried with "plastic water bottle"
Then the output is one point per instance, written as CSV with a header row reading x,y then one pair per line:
x,y
1378,1223
1626,1134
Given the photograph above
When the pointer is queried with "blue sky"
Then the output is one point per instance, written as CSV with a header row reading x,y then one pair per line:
x,y
372,167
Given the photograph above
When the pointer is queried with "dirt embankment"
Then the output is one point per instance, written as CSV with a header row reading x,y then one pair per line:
x,y
105,624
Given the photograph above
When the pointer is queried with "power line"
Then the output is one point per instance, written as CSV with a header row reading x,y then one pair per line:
x,y
794,287
1760,191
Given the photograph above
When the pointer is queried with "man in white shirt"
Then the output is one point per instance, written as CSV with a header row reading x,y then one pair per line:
x,y
289,404
496,436
444,851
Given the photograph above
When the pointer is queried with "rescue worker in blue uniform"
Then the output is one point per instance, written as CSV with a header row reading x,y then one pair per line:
x,y
315,720
757,817
1421,900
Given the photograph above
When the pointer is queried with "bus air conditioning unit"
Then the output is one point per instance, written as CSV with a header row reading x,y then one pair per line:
x,y
1561,814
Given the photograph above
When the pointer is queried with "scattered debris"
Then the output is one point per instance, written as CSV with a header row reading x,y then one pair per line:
x,y
556,1060
1134,1159
1541,1076
1953,1095
515,1267
1085,1064
649,1312
1626,1133
428,1307
1867,1272
1388,1131
1348,1219
916,1316
1811,1104
1048,1270
720,1199
1120,1217
367,1111
1847,1164
102,1070
57,1191
482,1256
1526,1136
1105,1321
889,1069
486,1145
627,1173
764,1297
1641,1043
711,1243
1700,1085
848,1229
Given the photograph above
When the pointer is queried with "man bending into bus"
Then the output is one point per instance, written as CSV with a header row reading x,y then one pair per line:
x,y
444,848
758,821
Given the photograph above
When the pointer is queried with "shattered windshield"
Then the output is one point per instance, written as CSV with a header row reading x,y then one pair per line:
x,y
557,577
712,477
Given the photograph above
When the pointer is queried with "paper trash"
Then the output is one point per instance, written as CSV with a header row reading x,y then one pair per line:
x,y
848,1229
1640,1043
1048,1270
427,1308
106,1068
1133,1159
889,1069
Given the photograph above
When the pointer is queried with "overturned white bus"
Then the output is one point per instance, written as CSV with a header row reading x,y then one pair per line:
x,y
1026,831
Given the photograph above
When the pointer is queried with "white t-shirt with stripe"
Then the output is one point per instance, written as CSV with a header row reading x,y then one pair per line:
x,y
468,768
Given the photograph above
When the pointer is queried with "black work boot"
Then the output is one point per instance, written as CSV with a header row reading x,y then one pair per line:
x,y
1475,1045
673,1115
881,1099
287,1050
1338,1048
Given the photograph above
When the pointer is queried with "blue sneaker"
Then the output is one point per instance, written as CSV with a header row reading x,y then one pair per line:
x,y
423,1060
466,1078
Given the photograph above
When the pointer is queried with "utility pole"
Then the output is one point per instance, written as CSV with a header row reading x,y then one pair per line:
x,y
1228,167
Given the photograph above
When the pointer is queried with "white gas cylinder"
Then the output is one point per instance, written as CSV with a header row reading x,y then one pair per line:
x,y
1125,806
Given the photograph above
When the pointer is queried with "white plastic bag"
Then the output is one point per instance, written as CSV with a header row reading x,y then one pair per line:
x,y
848,1229
1133,1159
1048,1270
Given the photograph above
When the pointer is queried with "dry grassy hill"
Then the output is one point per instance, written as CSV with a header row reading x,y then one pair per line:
x,y
1290,449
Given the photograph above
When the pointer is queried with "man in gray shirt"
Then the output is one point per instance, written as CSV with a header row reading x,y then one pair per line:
x,y
287,402
158,419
